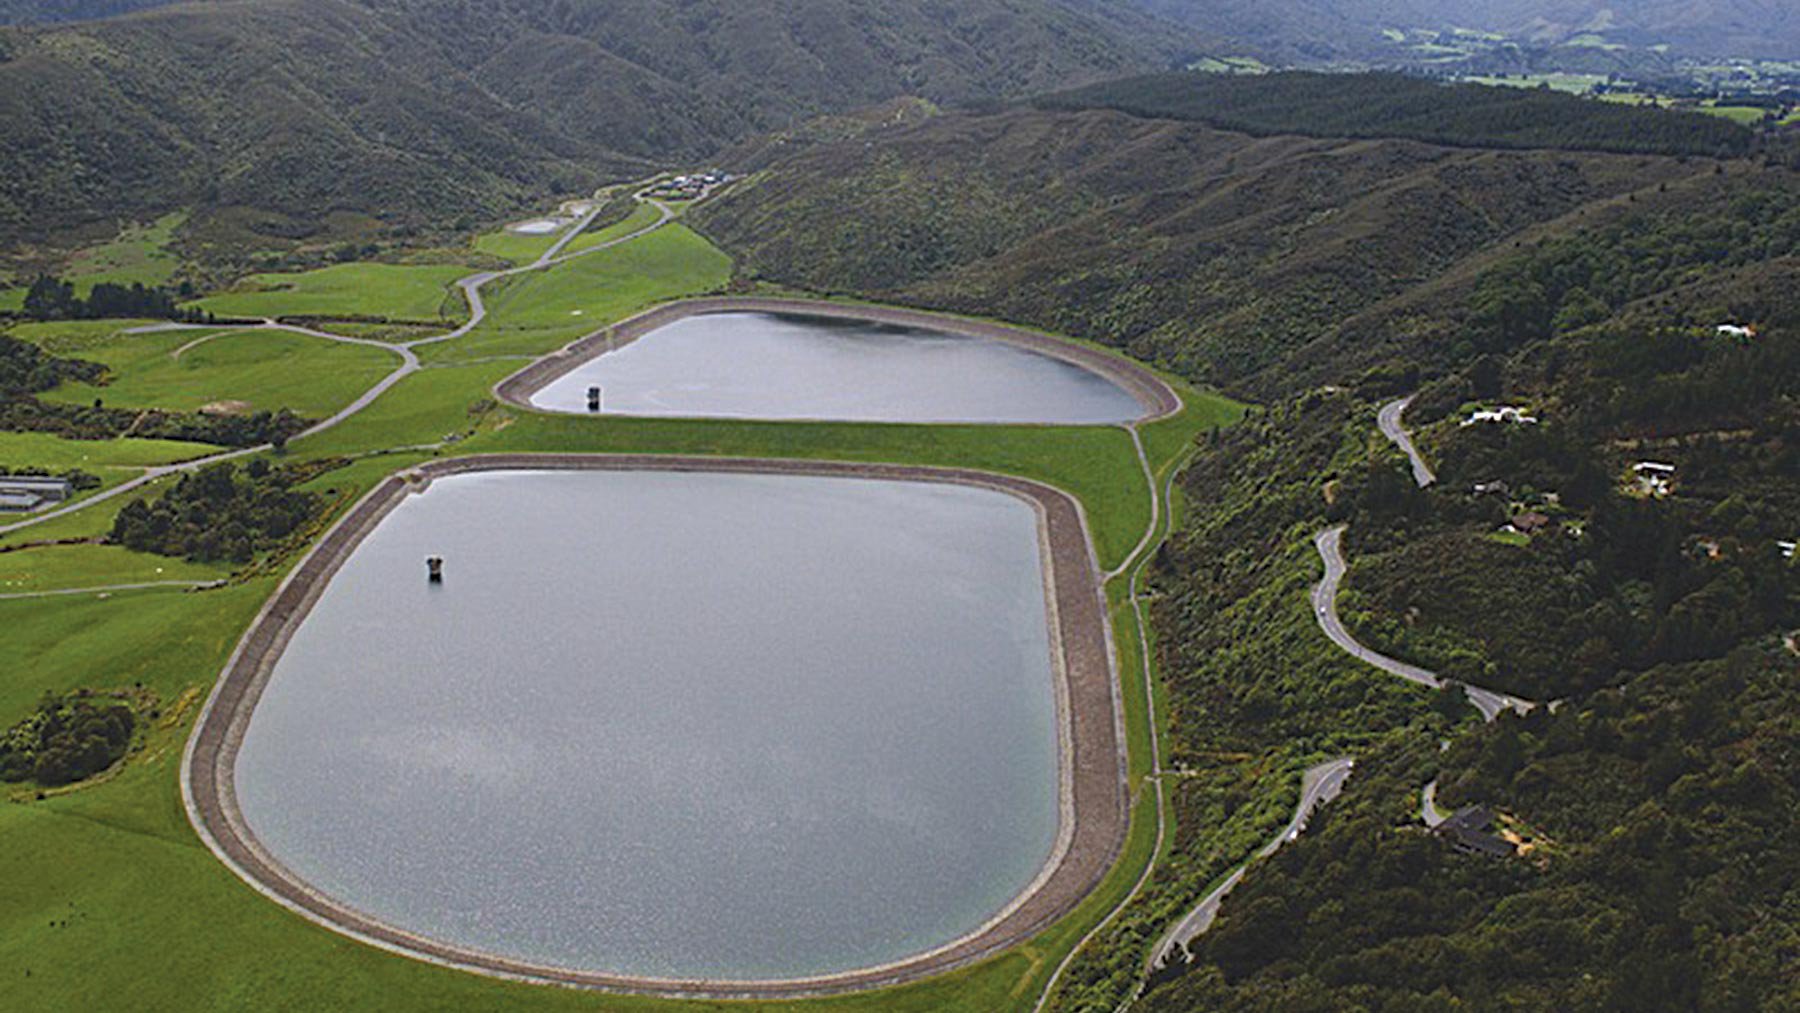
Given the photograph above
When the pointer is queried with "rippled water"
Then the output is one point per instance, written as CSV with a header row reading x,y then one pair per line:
x,y
760,365
671,724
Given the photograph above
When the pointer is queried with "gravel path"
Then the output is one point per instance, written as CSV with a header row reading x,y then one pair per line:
x,y
109,588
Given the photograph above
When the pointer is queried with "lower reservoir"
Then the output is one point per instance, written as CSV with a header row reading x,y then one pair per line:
x,y
670,724
792,366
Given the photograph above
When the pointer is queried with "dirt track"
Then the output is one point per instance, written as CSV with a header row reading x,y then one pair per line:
x,y
1157,398
1094,802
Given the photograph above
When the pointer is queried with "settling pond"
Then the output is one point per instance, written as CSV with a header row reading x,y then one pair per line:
x,y
799,366
670,724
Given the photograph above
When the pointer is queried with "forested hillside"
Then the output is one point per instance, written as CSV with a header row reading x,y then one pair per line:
x,y
1327,277
1660,795
1394,105
279,117
1339,29
1220,254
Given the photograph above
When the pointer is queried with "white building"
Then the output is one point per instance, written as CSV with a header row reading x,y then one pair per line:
x,y
1506,414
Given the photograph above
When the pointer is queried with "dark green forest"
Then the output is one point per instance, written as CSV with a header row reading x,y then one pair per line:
x,y
219,514
1396,105
68,738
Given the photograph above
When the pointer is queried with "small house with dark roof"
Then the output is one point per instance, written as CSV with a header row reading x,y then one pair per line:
x,y
1471,830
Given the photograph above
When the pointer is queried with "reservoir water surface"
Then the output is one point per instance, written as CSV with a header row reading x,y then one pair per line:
x,y
670,724
783,366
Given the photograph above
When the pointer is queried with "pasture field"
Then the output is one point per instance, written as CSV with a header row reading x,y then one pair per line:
x,y
241,370
105,891
640,216
407,291
44,450
530,314
140,255
515,247
53,567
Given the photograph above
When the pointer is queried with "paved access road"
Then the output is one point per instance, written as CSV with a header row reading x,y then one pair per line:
x,y
1324,600
1320,785
1389,419
409,360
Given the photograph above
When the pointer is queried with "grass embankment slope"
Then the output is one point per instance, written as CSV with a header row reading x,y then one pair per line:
x,y
106,892
400,291
530,314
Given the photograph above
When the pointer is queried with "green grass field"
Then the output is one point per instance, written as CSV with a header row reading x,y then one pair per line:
x,y
105,891
251,370
112,460
411,292
1746,115
537,312
640,216
514,247
139,255
52,567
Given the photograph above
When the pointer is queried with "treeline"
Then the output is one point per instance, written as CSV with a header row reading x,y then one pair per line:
x,y
219,514
68,738
27,369
87,422
51,298
1394,105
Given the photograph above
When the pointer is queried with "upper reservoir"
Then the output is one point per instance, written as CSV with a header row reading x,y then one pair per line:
x,y
670,724
789,366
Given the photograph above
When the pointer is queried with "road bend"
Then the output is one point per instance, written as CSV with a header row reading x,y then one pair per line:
x,y
1324,601
1390,419
409,360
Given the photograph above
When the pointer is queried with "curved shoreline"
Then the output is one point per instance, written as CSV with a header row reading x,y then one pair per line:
x,y
1155,396
1091,752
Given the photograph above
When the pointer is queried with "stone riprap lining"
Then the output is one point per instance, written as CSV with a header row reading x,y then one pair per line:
x,y
1158,399
1093,794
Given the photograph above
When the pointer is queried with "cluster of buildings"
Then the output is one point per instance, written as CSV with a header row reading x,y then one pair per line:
x,y
1507,414
24,493
691,187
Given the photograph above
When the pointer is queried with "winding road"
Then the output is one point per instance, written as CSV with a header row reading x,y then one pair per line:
x,y
409,360
1389,419
1324,600
1319,785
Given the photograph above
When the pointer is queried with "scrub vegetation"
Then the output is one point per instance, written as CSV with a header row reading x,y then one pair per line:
x,y
1321,276
217,514
66,739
